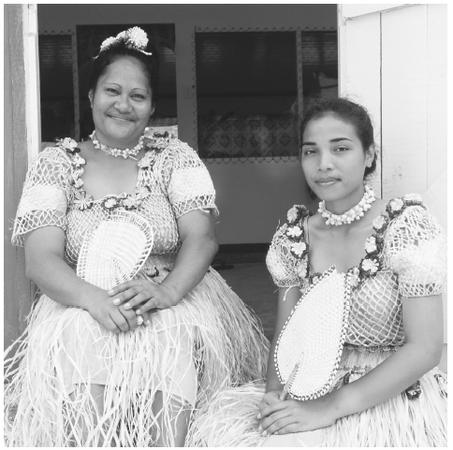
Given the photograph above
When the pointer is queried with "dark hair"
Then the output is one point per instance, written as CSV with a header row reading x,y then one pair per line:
x,y
350,112
116,51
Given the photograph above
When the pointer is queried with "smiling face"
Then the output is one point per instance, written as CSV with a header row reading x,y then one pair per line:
x,y
334,161
122,103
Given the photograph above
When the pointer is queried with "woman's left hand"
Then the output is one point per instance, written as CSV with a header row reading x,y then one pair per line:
x,y
292,416
143,296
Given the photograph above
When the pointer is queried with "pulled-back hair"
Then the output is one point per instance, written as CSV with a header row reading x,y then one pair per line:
x,y
347,111
106,57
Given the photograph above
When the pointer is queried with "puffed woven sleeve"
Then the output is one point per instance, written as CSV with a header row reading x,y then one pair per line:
x,y
45,194
187,180
283,266
415,248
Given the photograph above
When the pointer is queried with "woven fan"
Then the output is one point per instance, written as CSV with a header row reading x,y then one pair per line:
x,y
309,347
116,250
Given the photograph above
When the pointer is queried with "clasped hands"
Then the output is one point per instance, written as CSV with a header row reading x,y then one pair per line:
x,y
143,296
130,304
282,416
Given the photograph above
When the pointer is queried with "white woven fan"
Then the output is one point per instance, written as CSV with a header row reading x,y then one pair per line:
x,y
313,338
115,250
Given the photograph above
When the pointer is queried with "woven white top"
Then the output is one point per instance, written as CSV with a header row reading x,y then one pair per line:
x,y
177,180
413,265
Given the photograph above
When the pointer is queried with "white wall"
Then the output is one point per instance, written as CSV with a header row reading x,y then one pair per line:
x,y
252,196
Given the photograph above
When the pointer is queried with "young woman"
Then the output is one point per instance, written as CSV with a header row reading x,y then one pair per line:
x,y
124,367
386,390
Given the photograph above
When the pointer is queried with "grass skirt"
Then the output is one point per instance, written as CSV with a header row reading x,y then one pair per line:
x,y
207,343
229,420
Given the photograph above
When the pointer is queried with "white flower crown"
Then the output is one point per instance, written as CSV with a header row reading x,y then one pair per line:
x,y
134,38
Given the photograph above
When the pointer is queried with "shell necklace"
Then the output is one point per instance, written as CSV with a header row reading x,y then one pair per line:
x,y
118,152
353,214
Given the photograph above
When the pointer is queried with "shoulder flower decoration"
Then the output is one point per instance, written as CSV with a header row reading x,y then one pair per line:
x,y
298,249
76,181
69,145
380,224
296,213
301,269
395,206
110,203
83,201
294,232
369,266
129,203
371,246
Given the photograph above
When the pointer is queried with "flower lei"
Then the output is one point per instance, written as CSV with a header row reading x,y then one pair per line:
x,y
134,38
370,264
154,142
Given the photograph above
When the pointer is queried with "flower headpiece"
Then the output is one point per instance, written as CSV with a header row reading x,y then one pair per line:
x,y
134,38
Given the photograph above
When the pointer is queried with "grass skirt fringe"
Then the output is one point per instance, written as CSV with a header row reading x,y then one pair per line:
x,y
207,343
229,420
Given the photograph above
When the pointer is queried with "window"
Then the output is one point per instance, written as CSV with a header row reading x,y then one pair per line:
x,y
249,93
57,96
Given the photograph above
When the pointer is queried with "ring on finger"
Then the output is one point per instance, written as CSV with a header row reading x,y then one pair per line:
x,y
140,320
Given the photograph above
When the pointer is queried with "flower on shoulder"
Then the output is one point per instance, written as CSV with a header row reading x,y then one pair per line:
x,y
293,215
294,232
298,249
395,206
110,203
144,162
380,223
301,269
78,161
83,201
129,202
371,245
369,266
77,182
69,144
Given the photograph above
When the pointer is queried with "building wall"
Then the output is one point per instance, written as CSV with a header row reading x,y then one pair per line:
x,y
252,195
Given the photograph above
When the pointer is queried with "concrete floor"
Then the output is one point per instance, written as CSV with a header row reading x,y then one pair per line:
x,y
252,282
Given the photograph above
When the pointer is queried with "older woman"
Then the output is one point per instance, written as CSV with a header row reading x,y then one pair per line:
x,y
364,276
125,366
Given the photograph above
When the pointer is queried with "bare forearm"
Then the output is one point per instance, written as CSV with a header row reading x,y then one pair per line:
x,y
272,381
193,260
57,280
387,380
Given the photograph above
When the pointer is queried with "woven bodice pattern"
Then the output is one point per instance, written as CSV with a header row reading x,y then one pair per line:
x,y
410,264
155,208
171,181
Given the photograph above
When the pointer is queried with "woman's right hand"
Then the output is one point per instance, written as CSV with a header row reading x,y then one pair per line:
x,y
113,318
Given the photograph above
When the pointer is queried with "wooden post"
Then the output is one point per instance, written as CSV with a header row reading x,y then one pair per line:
x,y
18,291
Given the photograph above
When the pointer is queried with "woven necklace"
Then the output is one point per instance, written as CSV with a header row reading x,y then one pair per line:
x,y
118,152
353,214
